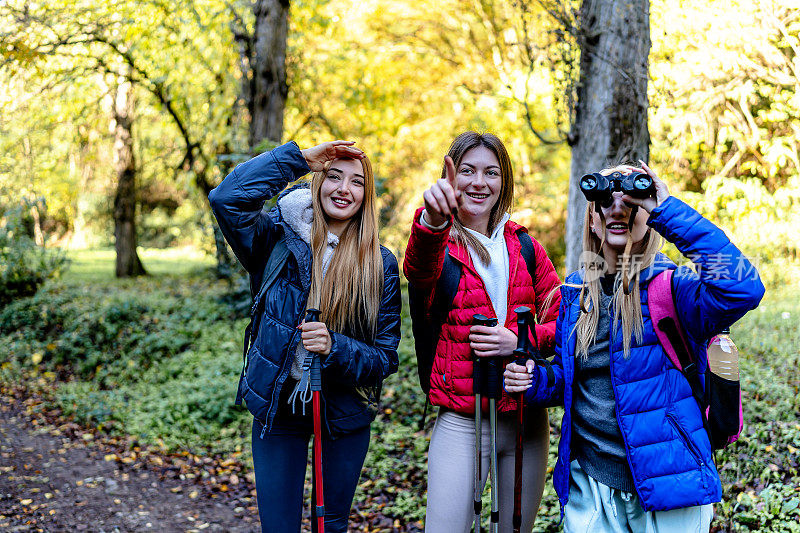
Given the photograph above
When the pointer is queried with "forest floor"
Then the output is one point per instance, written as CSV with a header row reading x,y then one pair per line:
x,y
54,476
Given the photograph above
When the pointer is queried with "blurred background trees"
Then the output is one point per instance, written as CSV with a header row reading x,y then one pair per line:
x,y
215,82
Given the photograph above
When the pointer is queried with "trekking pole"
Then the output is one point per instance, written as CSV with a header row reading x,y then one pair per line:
x,y
312,315
492,391
477,386
521,355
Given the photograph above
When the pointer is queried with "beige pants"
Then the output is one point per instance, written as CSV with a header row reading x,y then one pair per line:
x,y
451,470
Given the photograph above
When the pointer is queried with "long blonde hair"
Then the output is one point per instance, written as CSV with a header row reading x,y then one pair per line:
x,y
460,146
349,294
627,304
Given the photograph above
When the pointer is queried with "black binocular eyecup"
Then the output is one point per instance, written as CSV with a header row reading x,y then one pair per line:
x,y
599,188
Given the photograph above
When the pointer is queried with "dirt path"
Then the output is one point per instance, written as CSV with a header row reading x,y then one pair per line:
x,y
53,478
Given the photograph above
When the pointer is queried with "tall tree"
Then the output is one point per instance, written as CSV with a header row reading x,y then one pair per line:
x,y
184,64
127,262
609,115
267,90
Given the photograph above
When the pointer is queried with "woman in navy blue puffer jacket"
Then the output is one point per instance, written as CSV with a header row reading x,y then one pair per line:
x,y
334,263
634,454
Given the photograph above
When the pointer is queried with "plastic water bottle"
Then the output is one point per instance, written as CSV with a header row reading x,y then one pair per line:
x,y
723,356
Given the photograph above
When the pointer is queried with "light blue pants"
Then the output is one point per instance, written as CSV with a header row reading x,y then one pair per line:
x,y
594,507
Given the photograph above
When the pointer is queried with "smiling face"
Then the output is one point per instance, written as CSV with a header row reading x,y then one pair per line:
x,y
617,218
479,179
342,190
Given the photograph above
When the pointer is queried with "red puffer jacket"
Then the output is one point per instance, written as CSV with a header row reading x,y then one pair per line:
x,y
451,376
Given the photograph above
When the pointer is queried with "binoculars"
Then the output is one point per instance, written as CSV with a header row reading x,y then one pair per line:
x,y
598,188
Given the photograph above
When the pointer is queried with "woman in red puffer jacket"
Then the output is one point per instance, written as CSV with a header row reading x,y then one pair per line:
x,y
466,212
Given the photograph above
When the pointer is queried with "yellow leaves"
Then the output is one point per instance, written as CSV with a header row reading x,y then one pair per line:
x,y
26,502
36,358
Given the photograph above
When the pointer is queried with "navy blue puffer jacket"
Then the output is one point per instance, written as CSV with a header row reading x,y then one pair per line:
x,y
353,371
667,448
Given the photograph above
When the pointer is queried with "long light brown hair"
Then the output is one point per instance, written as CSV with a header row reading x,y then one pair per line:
x,y
349,295
460,146
627,304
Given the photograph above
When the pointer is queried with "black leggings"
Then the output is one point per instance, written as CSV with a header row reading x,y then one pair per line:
x,y
280,460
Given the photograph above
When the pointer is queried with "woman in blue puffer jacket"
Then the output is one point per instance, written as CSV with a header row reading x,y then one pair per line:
x,y
334,263
633,454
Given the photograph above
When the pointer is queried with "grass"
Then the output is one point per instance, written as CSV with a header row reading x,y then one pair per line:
x,y
158,358
89,266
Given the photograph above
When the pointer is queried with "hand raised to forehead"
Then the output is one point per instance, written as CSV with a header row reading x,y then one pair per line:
x,y
317,156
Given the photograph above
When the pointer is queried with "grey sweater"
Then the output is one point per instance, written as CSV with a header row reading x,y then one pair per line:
x,y
598,444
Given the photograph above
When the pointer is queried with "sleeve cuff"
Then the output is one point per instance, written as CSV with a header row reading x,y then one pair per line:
x,y
424,221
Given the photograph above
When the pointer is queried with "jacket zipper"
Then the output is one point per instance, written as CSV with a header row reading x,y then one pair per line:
x,y
616,410
685,437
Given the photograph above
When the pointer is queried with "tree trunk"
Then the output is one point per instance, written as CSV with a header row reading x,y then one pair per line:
x,y
611,116
268,87
128,263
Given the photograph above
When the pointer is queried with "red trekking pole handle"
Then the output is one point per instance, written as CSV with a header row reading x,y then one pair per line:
x,y
521,355
315,378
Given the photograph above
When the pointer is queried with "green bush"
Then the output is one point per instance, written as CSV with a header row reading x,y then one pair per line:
x,y
24,265
762,224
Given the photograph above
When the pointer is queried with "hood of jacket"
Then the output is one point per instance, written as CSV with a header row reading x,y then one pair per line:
x,y
296,211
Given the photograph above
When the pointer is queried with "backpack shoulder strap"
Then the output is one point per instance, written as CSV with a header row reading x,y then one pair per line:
x,y
277,258
664,316
426,329
672,337
446,286
528,253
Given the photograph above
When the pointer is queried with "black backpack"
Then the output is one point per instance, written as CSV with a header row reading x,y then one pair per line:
x,y
427,326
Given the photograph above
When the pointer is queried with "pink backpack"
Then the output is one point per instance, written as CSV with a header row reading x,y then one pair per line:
x,y
721,401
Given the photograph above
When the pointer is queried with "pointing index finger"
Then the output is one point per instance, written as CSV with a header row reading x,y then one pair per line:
x,y
450,176
450,171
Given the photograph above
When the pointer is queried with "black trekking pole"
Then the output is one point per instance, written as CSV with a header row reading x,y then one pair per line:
x,y
521,355
490,386
316,391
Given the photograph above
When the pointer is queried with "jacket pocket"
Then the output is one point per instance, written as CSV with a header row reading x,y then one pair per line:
x,y
688,442
259,379
448,377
